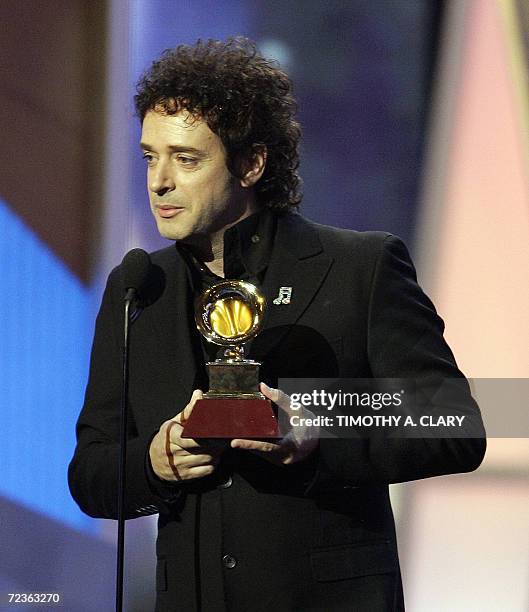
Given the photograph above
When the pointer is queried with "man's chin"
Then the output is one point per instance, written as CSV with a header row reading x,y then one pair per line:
x,y
170,232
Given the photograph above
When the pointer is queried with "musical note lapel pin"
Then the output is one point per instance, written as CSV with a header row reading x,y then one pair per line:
x,y
284,297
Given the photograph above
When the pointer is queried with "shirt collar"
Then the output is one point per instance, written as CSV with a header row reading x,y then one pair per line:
x,y
247,249
248,245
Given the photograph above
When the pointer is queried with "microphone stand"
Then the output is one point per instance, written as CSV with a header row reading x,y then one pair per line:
x,y
123,453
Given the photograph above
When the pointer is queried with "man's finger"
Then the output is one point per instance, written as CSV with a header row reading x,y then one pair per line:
x,y
182,417
168,451
280,398
257,445
269,392
197,459
172,436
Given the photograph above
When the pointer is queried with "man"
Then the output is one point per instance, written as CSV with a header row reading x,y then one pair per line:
x,y
300,523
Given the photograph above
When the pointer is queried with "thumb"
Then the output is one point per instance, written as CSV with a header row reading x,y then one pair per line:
x,y
280,398
186,412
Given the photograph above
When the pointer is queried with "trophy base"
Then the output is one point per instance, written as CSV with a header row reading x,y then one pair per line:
x,y
232,418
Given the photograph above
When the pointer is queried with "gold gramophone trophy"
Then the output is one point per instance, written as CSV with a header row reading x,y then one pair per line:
x,y
229,314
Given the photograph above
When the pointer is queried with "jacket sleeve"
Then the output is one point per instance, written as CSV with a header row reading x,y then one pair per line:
x,y
405,340
93,471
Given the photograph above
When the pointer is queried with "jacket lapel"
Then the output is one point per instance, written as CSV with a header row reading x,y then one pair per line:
x,y
299,264
175,331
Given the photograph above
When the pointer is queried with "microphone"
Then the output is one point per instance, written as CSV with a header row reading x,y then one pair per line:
x,y
135,271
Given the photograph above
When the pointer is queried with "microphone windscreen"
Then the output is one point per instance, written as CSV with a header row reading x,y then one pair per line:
x,y
135,269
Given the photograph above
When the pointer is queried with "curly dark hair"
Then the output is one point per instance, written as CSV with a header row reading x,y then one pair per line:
x,y
245,99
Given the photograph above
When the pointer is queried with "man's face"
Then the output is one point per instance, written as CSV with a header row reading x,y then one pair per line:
x,y
191,190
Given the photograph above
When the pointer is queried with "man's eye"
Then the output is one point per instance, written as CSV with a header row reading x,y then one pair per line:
x,y
187,161
148,158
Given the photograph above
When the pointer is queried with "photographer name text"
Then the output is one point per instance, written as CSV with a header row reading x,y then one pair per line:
x,y
376,420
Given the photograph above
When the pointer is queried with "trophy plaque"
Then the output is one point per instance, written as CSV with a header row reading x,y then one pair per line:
x,y
229,314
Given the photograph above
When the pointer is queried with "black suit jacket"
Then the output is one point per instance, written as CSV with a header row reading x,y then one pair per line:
x,y
317,535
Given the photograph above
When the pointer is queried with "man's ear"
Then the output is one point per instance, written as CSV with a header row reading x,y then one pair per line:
x,y
253,166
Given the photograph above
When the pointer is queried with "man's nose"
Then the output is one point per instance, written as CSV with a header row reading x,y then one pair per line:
x,y
161,179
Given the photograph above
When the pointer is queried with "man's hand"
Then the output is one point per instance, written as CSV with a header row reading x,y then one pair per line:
x,y
298,444
176,458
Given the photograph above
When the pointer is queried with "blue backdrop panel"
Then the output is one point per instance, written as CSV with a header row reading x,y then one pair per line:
x,y
44,351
